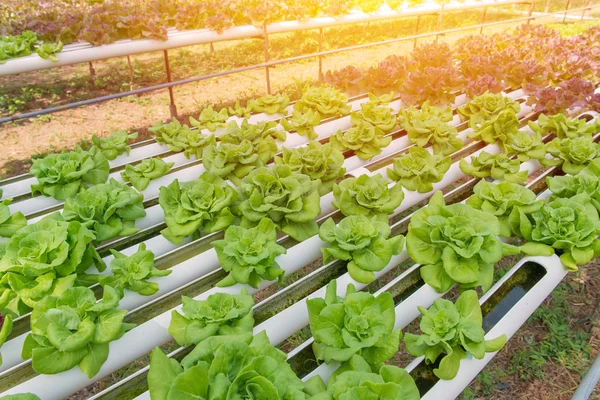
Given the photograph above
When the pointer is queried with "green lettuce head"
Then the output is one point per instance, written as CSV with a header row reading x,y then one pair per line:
x,y
376,115
572,154
220,314
364,139
563,127
290,199
363,242
356,380
302,123
108,209
367,195
327,101
429,125
235,160
495,128
320,162
454,330
418,169
498,166
248,254
202,205
486,106
210,119
586,181
149,169
455,244
44,258
74,330
115,144
359,324
227,367
570,226
132,272
64,175
270,104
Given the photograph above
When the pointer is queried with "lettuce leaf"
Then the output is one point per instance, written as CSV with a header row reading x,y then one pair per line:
x,y
115,144
364,139
149,169
367,195
210,119
498,166
418,169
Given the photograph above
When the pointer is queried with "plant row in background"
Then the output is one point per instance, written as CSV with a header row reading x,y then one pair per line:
x,y
554,70
254,190
104,22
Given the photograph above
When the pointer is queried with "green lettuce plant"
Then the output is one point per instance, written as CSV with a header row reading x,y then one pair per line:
x,y
321,162
362,241
302,123
63,175
227,367
6,326
45,258
255,133
290,199
202,205
563,127
48,51
498,166
248,254
496,128
10,223
140,175
132,272
270,104
360,381
586,181
165,133
382,100
239,111
376,115
115,144
20,396
180,138
234,161
73,330
572,154
221,314
367,195
502,200
327,101
364,139
360,323
524,145
108,209
570,226
486,106
210,119
429,125
455,244
418,169
453,330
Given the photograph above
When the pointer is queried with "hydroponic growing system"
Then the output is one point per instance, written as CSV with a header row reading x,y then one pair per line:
x,y
376,209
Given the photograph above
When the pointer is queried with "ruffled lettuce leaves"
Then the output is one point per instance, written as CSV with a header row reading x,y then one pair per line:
x,y
303,123
367,195
269,104
108,209
362,241
220,314
140,175
321,162
453,330
359,324
64,175
364,139
572,155
498,166
180,138
115,144
418,169
290,199
248,254
327,101
210,119
202,205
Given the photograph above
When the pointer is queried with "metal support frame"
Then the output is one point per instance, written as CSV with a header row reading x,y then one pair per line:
x,y
483,19
131,82
567,10
320,57
417,30
172,106
92,72
268,64
267,59
530,11
439,23
547,8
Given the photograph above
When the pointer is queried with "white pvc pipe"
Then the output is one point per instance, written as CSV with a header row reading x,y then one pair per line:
x,y
81,52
